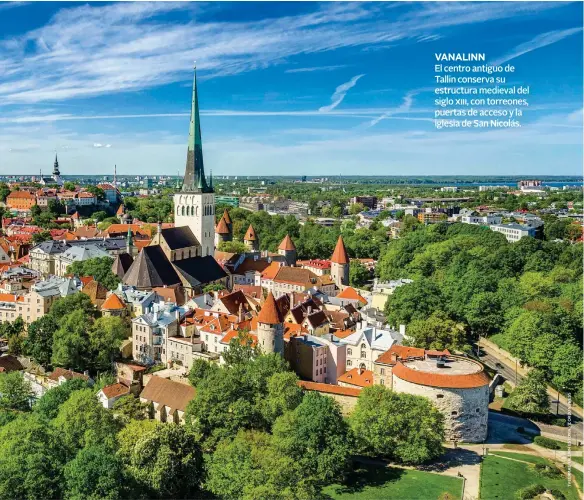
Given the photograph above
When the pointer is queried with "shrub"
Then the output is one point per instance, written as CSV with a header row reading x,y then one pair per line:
x,y
530,491
558,495
558,421
548,471
548,443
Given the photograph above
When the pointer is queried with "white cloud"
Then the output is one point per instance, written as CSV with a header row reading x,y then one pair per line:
x,y
340,93
542,40
97,49
316,68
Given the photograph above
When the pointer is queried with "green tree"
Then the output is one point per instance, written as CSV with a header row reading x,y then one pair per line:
x,y
401,427
49,403
99,215
214,287
96,191
71,348
356,208
437,332
200,370
35,211
316,436
15,392
99,267
39,341
31,459
82,421
358,274
129,408
130,434
167,462
232,247
530,395
416,300
72,303
95,473
566,367
250,467
69,186
241,349
105,337
483,313
283,395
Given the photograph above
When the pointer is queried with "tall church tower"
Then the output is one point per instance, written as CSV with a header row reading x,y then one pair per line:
x,y
194,205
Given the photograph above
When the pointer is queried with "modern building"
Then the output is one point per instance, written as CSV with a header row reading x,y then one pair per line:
x,y
514,232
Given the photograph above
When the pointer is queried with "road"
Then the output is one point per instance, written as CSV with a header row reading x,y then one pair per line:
x,y
508,373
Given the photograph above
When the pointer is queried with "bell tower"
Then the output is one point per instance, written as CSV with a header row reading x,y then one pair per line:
x,y
194,205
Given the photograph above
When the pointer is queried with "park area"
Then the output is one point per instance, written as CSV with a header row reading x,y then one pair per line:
x,y
504,474
373,483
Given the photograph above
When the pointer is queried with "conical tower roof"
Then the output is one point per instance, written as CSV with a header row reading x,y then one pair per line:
x,y
56,166
222,227
269,313
340,254
250,234
226,216
287,244
194,180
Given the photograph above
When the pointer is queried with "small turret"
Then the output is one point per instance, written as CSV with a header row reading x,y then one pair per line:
x,y
340,264
251,240
222,232
270,329
288,250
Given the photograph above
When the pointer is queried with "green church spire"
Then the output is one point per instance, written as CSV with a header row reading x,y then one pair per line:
x,y
194,180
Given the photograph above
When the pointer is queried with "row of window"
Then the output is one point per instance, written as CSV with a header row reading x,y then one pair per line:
x,y
189,210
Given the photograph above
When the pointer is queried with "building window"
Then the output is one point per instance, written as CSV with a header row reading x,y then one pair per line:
x,y
382,382
382,370
454,413
363,346
478,409
349,362
363,354
349,352
439,396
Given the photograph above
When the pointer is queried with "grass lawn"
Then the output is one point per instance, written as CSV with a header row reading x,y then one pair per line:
x,y
501,478
532,459
579,460
373,483
579,477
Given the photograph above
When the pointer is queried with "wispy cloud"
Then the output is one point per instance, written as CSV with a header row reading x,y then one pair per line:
x,y
316,68
542,40
340,93
100,145
97,49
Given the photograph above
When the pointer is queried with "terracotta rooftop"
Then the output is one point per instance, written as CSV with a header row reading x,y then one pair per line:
x,y
115,390
270,313
113,303
287,244
353,377
222,227
226,216
329,388
350,293
250,234
340,254
67,374
465,377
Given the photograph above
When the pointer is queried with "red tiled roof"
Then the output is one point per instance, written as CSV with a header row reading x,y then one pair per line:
x,y
226,216
329,388
402,352
115,390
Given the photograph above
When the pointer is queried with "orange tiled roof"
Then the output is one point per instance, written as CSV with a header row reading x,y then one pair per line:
x,y
329,388
115,390
226,216
351,294
353,377
287,244
271,271
461,381
340,254
250,234
269,313
113,302
222,227
9,297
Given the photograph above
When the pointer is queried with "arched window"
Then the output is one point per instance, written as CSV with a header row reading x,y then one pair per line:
x,y
196,210
363,346
183,210
362,366
349,351
363,354
349,362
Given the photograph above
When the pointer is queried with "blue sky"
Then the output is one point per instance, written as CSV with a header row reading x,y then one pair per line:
x,y
285,88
